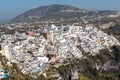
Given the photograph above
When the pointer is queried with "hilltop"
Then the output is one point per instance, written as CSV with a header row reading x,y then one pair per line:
x,y
60,12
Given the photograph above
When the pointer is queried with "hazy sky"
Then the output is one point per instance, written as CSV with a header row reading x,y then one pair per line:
x,y
12,8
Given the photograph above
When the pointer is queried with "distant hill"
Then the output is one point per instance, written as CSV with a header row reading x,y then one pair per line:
x,y
57,12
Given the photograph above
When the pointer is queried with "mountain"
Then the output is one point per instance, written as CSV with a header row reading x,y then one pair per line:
x,y
58,12
50,12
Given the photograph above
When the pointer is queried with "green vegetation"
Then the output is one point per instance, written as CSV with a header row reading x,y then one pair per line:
x,y
86,68
14,72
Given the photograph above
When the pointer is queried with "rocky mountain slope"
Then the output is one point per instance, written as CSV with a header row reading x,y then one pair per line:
x,y
59,12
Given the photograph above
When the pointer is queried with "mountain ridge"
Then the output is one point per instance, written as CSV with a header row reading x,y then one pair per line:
x,y
57,11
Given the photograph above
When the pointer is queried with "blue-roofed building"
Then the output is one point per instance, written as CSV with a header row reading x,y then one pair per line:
x,y
6,75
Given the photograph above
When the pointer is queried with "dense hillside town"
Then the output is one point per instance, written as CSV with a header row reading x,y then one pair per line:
x,y
33,51
61,42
